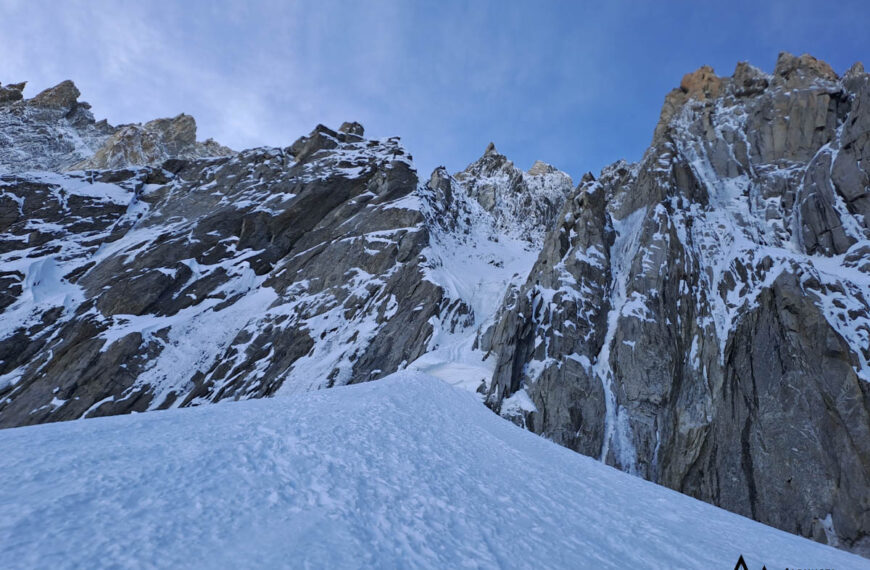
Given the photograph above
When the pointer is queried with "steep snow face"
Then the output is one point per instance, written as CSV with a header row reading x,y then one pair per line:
x,y
402,472
702,318
476,263
487,225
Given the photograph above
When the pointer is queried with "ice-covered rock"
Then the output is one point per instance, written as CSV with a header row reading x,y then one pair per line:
x,y
52,131
700,318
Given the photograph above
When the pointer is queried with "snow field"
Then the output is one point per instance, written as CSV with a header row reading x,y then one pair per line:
x,y
404,472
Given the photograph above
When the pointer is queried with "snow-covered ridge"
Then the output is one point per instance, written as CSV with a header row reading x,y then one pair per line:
x,y
402,472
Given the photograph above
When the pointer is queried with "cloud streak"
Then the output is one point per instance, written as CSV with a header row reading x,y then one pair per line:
x,y
577,85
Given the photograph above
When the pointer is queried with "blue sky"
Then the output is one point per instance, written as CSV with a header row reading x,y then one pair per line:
x,y
576,84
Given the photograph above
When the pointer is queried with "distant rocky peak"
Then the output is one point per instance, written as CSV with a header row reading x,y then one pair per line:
x,y
856,70
791,72
440,178
352,128
151,144
54,131
702,83
448,208
524,204
748,80
497,167
491,163
540,168
64,95
50,131
178,131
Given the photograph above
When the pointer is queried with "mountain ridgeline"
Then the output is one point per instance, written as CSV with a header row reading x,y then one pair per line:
x,y
700,318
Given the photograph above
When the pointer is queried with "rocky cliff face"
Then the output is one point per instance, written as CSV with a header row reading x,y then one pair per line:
x,y
700,318
150,287
150,276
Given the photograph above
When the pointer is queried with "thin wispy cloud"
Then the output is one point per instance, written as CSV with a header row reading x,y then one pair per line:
x,y
577,85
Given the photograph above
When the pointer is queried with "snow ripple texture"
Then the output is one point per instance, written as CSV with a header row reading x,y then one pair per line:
x,y
405,472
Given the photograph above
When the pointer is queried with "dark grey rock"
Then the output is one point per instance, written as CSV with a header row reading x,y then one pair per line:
x,y
352,128
314,260
676,325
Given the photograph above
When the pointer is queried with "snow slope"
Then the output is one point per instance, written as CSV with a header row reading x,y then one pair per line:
x,y
404,472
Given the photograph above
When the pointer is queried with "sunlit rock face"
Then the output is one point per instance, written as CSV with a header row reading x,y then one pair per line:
x,y
700,318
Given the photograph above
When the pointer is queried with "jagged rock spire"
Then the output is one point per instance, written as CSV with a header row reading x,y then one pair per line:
x,y
523,203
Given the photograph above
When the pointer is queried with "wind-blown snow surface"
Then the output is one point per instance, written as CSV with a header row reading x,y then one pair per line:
x,y
407,471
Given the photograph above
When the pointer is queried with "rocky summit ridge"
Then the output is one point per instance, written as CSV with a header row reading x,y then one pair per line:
x,y
54,131
700,318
